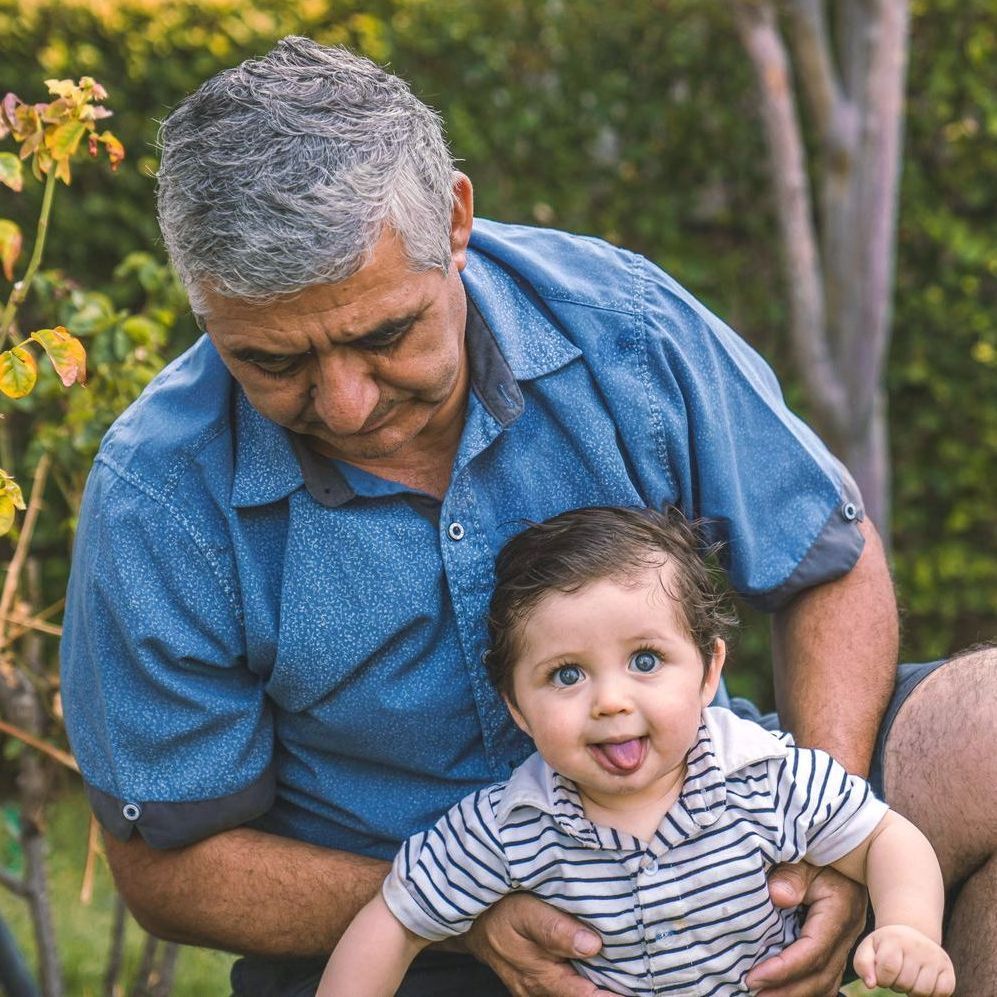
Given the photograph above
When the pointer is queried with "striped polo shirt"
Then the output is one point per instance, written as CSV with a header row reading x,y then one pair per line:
x,y
685,913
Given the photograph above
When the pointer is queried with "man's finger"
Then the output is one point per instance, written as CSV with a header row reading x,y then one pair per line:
x,y
561,935
789,883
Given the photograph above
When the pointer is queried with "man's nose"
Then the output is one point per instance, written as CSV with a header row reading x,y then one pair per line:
x,y
610,696
344,392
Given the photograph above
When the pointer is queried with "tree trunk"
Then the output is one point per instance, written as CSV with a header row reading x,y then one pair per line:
x,y
838,260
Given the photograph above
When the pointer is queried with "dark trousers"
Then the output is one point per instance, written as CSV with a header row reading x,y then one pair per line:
x,y
433,974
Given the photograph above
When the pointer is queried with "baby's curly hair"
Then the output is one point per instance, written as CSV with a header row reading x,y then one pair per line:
x,y
576,548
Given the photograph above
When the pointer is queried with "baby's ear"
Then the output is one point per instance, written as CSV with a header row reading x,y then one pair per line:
x,y
517,717
711,677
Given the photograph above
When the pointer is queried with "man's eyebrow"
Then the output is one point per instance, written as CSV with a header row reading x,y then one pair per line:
x,y
387,327
249,354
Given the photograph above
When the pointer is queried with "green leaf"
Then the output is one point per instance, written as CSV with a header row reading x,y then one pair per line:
x,y
10,246
66,352
63,141
11,171
18,372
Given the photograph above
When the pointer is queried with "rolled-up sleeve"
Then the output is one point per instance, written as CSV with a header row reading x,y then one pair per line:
x,y
442,879
171,730
787,509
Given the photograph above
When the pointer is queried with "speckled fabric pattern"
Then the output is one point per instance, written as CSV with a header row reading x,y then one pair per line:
x,y
254,649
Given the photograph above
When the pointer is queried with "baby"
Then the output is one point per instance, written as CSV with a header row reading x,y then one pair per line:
x,y
645,813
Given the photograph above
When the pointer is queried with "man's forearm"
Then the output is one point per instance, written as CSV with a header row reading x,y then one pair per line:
x,y
245,891
834,657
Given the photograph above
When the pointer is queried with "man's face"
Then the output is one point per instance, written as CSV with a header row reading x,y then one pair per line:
x,y
368,368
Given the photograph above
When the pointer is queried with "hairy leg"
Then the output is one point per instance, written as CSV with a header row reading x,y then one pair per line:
x,y
941,773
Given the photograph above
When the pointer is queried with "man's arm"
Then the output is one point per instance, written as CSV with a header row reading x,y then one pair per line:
x,y
245,891
834,659
835,656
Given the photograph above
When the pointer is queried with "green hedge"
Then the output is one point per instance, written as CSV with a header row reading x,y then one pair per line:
x,y
634,122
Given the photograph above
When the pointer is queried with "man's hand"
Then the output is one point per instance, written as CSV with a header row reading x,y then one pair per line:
x,y
527,942
814,964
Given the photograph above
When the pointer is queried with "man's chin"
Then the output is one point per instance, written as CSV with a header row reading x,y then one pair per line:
x,y
365,446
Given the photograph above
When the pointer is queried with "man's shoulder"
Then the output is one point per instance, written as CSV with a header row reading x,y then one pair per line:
x,y
561,266
182,412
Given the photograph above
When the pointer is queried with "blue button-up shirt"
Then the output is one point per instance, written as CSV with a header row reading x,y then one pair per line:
x,y
256,635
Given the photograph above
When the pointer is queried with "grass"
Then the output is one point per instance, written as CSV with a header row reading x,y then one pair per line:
x,y
857,990
84,932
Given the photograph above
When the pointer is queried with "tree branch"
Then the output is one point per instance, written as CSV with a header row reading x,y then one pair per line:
x,y
760,35
834,116
13,883
62,757
878,183
23,543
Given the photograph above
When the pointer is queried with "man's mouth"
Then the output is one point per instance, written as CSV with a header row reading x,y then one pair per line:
x,y
620,757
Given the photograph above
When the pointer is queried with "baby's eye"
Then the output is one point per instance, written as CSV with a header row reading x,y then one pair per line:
x,y
645,662
566,675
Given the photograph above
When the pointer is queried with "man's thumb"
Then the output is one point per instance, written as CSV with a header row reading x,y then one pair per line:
x,y
564,936
788,884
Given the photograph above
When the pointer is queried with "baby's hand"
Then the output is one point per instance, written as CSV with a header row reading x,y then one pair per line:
x,y
901,958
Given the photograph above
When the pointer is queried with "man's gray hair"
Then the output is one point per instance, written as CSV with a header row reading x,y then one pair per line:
x,y
284,172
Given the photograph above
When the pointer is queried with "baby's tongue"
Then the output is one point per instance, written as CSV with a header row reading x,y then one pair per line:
x,y
625,755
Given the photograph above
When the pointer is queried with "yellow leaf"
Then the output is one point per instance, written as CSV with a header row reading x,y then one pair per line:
x,y
115,150
66,352
10,488
10,246
63,141
6,515
62,88
18,372
11,172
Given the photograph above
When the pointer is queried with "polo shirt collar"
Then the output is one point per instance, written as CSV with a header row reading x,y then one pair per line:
x,y
725,744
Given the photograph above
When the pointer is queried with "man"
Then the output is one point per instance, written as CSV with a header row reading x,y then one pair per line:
x,y
276,616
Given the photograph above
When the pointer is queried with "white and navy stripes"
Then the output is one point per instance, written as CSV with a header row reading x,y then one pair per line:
x,y
686,913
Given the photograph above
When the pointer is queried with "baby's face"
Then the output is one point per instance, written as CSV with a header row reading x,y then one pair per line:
x,y
611,688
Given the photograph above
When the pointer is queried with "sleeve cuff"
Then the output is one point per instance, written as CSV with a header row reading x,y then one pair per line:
x,y
174,825
831,555
858,827
410,913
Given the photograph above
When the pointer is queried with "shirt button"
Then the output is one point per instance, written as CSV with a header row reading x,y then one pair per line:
x,y
131,812
455,531
849,511
649,865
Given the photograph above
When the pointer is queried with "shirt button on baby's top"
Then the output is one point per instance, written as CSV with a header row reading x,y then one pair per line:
x,y
455,531
649,865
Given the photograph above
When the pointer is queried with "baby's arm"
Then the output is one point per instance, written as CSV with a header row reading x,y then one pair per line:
x,y
373,955
899,866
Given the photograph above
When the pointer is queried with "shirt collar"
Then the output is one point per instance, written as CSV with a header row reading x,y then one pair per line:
x,y
266,465
725,744
526,335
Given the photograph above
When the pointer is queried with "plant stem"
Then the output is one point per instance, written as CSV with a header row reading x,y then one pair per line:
x,y
23,543
21,288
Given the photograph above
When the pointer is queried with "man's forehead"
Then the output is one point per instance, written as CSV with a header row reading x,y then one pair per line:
x,y
385,288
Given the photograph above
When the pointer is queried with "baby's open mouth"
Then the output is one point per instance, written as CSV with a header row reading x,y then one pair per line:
x,y
620,757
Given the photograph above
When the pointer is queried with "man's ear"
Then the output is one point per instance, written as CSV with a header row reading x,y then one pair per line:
x,y
518,718
461,220
711,677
